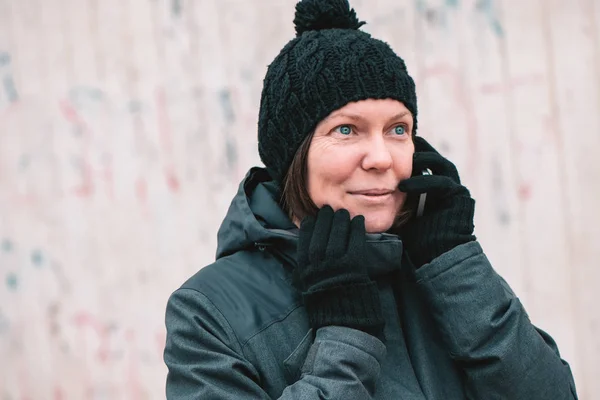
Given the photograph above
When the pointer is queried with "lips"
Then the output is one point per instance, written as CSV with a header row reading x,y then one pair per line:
x,y
373,192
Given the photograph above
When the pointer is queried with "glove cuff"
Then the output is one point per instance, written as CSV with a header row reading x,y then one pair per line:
x,y
462,214
355,306
443,231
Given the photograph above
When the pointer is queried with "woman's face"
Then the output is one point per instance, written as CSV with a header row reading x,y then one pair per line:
x,y
357,157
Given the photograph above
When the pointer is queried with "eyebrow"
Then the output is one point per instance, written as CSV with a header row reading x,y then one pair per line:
x,y
358,117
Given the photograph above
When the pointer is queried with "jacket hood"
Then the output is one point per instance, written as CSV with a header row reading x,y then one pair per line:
x,y
255,220
254,217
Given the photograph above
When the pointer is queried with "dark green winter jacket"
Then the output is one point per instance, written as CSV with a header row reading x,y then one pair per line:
x,y
454,329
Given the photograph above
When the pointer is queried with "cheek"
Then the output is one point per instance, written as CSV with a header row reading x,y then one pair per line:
x,y
403,163
328,169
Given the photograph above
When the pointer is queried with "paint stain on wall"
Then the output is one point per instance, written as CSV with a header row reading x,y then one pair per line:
x,y
500,201
525,190
6,246
172,180
7,80
231,153
24,162
37,258
12,281
134,106
226,106
4,58
141,190
176,8
10,88
80,96
59,393
438,15
53,312
434,17
488,9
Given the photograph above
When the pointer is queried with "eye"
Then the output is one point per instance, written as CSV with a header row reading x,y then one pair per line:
x,y
400,130
344,129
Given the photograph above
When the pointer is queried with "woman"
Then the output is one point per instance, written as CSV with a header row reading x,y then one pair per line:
x,y
326,283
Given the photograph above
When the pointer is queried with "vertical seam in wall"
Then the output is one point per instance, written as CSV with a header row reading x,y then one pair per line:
x,y
471,120
419,57
517,177
594,12
562,165
94,24
596,41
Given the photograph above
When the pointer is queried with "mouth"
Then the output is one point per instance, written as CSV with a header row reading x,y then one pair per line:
x,y
373,192
374,196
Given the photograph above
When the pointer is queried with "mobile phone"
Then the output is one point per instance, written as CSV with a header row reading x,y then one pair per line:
x,y
423,196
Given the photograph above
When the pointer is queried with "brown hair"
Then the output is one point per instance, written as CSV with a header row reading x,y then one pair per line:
x,y
296,201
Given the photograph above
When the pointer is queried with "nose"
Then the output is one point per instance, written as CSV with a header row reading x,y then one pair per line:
x,y
377,156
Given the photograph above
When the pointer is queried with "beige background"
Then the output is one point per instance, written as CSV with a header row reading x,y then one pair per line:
x,y
126,125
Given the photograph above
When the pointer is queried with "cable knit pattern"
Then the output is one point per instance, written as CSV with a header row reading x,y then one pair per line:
x,y
328,65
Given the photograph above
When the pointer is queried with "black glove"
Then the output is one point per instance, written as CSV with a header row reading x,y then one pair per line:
x,y
449,209
332,273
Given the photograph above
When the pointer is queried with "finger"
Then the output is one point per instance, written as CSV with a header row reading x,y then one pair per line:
x,y
320,236
435,184
436,163
422,145
307,227
358,235
338,238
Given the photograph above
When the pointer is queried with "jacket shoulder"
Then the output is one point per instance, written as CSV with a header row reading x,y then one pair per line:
x,y
251,289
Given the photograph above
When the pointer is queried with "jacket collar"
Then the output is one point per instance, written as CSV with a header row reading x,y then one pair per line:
x,y
256,220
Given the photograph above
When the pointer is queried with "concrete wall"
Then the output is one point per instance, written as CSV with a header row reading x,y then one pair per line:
x,y
126,125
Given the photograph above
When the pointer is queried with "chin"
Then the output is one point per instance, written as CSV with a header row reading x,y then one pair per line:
x,y
378,224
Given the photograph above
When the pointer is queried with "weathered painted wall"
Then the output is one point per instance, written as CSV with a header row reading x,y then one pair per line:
x,y
126,125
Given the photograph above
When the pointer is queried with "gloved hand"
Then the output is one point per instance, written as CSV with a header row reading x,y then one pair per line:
x,y
332,273
449,209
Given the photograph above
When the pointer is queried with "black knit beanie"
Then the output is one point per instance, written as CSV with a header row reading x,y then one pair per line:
x,y
329,64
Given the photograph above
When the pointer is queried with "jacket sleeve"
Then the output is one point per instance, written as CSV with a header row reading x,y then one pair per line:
x,y
488,333
206,361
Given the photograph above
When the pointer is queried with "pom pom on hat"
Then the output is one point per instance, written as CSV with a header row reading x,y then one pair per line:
x,y
314,15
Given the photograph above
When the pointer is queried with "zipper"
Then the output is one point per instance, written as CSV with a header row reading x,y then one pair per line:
x,y
274,250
